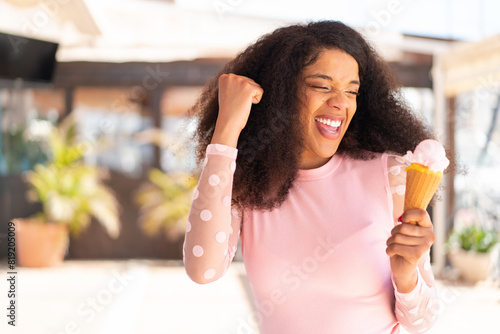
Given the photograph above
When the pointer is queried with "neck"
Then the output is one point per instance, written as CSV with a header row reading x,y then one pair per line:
x,y
310,163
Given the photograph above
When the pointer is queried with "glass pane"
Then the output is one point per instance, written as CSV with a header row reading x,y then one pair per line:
x,y
108,120
478,148
26,117
178,129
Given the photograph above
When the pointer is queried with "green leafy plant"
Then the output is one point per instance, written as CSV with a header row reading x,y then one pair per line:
x,y
164,202
474,238
70,191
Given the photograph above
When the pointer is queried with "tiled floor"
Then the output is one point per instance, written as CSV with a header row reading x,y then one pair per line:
x,y
143,297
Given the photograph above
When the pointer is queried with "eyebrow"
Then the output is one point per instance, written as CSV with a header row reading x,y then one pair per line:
x,y
329,78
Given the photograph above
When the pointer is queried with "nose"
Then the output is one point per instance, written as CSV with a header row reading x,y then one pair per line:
x,y
339,101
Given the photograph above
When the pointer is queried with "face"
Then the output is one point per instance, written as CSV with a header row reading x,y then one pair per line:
x,y
330,86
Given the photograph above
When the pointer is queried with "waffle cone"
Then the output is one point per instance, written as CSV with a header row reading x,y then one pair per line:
x,y
421,184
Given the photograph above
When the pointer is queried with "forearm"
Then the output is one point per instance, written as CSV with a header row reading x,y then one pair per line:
x,y
406,284
418,309
225,134
210,239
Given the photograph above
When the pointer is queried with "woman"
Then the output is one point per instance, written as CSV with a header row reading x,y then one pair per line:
x,y
302,135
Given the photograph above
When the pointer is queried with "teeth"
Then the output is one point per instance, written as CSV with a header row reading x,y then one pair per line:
x,y
329,122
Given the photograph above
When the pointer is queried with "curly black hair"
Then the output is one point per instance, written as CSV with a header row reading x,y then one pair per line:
x,y
270,144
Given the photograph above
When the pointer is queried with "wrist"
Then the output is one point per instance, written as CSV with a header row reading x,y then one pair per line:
x,y
406,283
226,135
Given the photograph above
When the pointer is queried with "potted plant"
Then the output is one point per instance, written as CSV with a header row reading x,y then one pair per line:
x,y
471,251
71,193
164,203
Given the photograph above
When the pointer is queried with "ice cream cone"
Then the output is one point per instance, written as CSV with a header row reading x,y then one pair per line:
x,y
421,184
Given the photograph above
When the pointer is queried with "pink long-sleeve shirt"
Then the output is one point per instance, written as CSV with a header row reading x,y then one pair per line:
x,y
316,264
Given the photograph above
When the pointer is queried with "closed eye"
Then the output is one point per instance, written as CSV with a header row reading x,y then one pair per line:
x,y
353,93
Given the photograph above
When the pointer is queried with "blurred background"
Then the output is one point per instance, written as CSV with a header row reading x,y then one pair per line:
x,y
113,82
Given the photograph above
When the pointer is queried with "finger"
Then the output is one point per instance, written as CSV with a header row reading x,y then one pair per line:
x,y
257,89
251,81
401,250
406,240
257,96
421,217
411,254
410,230
234,78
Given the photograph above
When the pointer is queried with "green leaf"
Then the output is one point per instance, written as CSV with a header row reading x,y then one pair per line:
x,y
474,238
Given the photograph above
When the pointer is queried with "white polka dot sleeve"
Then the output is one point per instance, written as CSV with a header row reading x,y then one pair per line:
x,y
212,230
417,310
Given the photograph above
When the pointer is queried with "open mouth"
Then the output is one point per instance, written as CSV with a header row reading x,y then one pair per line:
x,y
329,125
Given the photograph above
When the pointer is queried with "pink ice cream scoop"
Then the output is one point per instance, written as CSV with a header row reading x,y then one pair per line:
x,y
429,153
